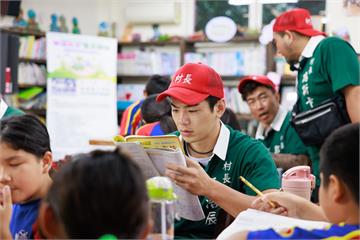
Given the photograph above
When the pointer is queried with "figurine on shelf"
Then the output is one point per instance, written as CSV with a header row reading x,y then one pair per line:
x,y
54,26
63,27
19,20
32,24
75,29
157,33
103,29
113,29
136,37
126,36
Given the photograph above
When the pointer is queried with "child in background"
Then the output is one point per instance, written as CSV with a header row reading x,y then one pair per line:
x,y
102,192
157,116
131,118
229,118
339,194
25,162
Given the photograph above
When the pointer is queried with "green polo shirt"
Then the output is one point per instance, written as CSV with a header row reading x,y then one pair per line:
x,y
11,111
285,139
328,65
7,111
235,154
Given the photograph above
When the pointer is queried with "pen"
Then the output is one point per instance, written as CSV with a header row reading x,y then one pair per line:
x,y
255,190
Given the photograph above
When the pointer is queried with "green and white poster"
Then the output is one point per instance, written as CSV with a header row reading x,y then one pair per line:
x,y
81,91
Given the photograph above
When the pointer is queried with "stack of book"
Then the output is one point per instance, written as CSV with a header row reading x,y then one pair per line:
x,y
234,101
147,63
32,48
31,74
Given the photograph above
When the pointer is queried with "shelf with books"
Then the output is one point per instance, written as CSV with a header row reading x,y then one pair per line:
x,y
240,39
23,31
38,112
148,58
244,116
133,78
32,60
31,78
29,85
232,59
288,80
149,43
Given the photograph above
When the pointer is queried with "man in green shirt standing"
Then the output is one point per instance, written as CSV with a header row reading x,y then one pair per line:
x,y
274,128
326,66
216,154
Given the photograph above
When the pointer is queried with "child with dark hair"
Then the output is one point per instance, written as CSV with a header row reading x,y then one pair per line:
x,y
25,162
102,192
229,118
157,116
131,118
339,194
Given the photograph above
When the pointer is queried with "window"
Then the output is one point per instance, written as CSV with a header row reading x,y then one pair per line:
x,y
270,11
208,9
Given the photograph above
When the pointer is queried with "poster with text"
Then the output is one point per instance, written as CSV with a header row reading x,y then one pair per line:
x,y
81,91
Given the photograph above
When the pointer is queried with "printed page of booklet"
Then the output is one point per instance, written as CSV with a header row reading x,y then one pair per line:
x,y
153,163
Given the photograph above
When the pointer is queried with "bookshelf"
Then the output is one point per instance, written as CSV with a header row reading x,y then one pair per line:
x,y
137,61
23,31
31,85
32,60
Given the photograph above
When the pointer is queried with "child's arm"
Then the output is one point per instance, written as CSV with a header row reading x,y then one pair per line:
x,y
5,212
293,205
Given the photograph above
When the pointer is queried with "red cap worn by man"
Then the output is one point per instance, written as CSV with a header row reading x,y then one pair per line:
x,y
264,80
298,20
193,83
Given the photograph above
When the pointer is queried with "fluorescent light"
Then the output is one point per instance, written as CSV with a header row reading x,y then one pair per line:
x,y
240,2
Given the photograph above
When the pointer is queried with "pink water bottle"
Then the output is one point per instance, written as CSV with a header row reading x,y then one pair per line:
x,y
299,180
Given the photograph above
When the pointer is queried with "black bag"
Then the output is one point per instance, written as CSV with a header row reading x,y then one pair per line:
x,y
315,125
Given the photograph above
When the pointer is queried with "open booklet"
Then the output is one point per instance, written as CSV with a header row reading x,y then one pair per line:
x,y
253,220
151,154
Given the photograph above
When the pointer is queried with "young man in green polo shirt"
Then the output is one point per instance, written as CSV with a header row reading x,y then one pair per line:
x,y
216,154
7,111
274,128
326,66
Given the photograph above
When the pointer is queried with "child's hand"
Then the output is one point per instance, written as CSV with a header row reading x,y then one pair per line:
x,y
5,212
287,203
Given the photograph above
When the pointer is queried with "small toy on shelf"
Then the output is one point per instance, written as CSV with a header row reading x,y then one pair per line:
x,y
63,27
32,24
136,37
126,36
75,29
19,21
54,26
113,29
157,33
103,29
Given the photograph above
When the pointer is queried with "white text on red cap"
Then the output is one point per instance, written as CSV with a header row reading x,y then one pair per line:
x,y
187,79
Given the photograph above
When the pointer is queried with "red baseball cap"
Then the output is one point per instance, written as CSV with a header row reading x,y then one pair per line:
x,y
264,80
298,20
193,83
